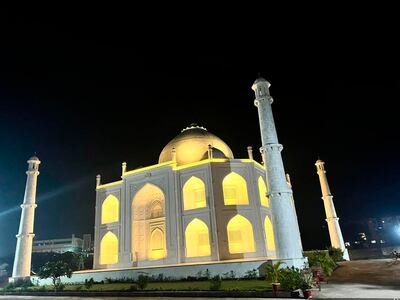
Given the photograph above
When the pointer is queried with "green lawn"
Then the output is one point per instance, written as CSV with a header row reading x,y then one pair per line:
x,y
241,285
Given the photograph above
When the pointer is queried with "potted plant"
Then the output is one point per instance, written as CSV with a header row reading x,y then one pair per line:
x,y
273,271
306,284
290,280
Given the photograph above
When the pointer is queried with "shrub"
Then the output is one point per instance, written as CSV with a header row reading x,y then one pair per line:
x,y
42,289
142,282
78,287
59,286
133,288
160,277
290,279
335,253
321,259
307,281
215,283
251,274
89,283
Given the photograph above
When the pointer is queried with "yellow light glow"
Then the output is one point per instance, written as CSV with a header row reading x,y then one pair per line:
x,y
202,162
235,190
262,188
269,234
148,224
109,249
197,239
101,186
194,194
110,210
157,248
148,168
240,235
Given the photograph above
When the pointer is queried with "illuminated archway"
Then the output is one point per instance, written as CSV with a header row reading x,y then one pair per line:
x,y
262,188
109,249
157,246
240,235
194,194
148,224
197,239
110,210
269,234
235,190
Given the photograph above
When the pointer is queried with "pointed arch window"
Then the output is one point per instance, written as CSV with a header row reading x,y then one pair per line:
x,y
262,188
235,190
240,235
197,239
110,210
194,194
109,249
157,247
269,234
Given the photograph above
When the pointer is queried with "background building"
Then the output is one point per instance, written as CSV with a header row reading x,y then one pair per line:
x,y
72,244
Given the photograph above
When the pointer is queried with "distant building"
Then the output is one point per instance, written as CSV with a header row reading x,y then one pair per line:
x,y
375,232
87,243
384,230
72,244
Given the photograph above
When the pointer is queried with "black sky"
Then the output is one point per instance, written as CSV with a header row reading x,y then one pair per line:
x,y
87,90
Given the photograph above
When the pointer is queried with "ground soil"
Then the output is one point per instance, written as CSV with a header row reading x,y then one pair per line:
x,y
374,271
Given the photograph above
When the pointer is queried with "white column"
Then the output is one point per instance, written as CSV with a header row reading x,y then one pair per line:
x,y
331,218
23,251
286,228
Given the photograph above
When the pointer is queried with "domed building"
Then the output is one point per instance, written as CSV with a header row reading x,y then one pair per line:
x,y
199,207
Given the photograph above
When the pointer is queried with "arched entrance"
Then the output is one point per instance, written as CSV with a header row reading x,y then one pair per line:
x,y
148,224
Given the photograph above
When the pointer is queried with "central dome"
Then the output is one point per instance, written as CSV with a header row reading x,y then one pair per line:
x,y
191,145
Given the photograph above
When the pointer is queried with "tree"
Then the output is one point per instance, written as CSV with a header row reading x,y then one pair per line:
x,y
55,270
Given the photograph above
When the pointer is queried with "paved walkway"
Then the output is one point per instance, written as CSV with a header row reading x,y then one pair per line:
x,y
357,290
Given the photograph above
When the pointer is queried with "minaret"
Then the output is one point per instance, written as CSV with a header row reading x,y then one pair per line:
x,y
23,251
331,218
286,228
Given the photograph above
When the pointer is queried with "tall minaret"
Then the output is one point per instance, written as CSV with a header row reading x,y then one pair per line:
x,y
286,228
23,251
331,218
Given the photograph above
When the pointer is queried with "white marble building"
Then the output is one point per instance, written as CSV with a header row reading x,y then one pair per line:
x,y
199,204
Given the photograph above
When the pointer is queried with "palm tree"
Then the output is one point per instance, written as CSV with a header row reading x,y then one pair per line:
x,y
273,271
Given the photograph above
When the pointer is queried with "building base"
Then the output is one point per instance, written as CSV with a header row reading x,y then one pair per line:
x,y
19,279
241,268
346,254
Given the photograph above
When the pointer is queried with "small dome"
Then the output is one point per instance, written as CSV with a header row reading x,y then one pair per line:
x,y
216,153
191,145
34,158
261,79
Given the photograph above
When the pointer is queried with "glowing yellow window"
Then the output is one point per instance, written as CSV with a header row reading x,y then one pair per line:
x,y
109,249
240,235
197,239
269,234
194,194
262,188
110,210
235,190
157,249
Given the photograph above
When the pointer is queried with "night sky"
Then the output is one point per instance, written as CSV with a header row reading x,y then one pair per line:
x,y
87,91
